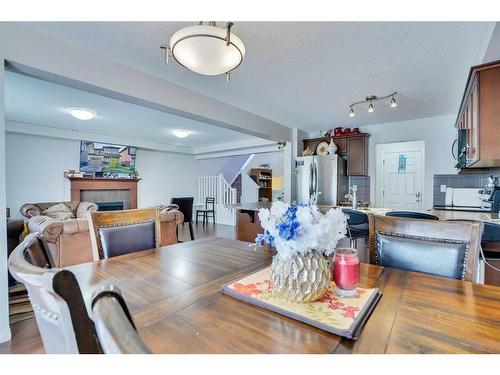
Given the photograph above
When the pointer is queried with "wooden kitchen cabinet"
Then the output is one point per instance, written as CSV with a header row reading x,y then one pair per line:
x,y
353,147
479,117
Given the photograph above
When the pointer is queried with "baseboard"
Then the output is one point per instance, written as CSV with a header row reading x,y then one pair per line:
x,y
5,335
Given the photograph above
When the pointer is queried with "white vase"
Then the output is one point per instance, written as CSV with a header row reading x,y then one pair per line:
x,y
301,279
332,148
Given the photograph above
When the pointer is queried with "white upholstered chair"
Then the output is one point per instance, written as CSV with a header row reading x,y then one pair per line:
x,y
55,296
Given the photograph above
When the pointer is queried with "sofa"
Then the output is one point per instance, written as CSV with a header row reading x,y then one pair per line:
x,y
68,241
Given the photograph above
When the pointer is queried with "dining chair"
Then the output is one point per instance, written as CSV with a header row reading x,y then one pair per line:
x,y
186,207
357,225
114,325
56,298
443,248
114,233
412,215
207,211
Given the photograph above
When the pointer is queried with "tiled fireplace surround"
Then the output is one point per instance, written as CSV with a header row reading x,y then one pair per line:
x,y
477,179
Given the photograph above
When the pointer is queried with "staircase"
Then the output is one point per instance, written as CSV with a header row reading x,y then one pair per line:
x,y
237,185
218,188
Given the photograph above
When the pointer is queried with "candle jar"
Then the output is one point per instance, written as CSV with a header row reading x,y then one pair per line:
x,y
345,270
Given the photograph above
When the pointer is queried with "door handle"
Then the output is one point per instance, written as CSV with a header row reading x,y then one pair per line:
x,y
417,195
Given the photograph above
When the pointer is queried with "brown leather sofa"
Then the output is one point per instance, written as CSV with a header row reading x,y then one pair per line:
x,y
79,209
69,241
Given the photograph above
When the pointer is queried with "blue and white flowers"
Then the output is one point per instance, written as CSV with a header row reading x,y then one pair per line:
x,y
297,229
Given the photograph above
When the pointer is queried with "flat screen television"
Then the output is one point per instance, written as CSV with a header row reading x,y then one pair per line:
x,y
106,158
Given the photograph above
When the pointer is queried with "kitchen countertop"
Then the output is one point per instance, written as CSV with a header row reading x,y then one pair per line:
x,y
441,214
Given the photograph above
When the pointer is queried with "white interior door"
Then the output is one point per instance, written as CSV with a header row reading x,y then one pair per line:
x,y
400,177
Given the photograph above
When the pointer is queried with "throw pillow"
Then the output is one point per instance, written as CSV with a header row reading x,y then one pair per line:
x,y
59,212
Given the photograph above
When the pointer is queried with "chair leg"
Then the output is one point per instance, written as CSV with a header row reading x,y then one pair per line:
x,y
197,217
354,243
191,231
177,233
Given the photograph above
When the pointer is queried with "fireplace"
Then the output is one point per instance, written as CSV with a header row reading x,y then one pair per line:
x,y
110,206
106,190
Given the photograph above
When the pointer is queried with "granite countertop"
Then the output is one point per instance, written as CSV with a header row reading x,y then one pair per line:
x,y
441,214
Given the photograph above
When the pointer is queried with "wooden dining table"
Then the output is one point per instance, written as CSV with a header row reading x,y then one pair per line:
x,y
176,303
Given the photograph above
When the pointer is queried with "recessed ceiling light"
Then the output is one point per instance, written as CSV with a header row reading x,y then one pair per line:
x,y
181,133
81,114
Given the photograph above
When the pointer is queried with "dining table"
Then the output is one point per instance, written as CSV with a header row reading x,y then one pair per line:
x,y
174,296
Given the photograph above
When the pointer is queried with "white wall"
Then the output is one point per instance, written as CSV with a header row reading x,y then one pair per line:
x,y
165,175
438,133
35,167
4,302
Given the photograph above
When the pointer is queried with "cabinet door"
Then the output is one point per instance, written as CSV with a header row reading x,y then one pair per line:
x,y
474,125
341,144
357,156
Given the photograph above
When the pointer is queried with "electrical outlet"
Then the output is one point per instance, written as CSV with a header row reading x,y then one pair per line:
x,y
443,188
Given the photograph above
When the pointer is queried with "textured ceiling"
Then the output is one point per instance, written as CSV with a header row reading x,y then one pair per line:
x,y
43,103
306,74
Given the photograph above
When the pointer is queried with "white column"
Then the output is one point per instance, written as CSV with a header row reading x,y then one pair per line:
x,y
4,299
287,172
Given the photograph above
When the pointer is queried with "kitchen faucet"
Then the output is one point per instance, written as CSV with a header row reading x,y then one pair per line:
x,y
353,197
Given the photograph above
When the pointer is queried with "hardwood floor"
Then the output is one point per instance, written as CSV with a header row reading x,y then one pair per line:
x,y
25,336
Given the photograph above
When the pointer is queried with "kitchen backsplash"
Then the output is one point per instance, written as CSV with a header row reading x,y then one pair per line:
x,y
363,183
462,180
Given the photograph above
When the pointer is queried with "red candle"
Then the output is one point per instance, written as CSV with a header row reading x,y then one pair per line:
x,y
346,269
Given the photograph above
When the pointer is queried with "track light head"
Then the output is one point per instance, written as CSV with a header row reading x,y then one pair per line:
x,y
370,107
394,104
351,112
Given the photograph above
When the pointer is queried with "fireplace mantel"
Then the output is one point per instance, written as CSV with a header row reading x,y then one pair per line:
x,y
78,184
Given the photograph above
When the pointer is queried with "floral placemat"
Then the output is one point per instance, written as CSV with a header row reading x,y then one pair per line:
x,y
339,315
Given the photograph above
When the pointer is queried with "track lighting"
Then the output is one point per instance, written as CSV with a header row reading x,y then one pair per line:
x,y
373,98
393,102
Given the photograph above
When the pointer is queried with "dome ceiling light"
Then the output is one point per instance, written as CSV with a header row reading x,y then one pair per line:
x,y
206,49
81,114
373,98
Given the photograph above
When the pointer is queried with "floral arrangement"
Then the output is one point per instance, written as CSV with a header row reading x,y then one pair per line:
x,y
298,229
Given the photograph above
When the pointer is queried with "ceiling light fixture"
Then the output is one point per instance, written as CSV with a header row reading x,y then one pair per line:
x,y
181,133
206,49
373,98
81,114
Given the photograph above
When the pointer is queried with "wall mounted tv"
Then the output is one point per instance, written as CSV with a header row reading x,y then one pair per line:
x,y
106,158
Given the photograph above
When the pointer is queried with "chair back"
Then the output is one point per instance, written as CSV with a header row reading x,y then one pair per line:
x,y
443,248
355,217
491,233
185,206
114,325
209,201
412,215
114,233
57,301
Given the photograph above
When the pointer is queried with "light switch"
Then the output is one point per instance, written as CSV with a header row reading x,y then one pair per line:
x,y
443,188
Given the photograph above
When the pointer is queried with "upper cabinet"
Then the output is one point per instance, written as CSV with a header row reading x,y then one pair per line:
x,y
478,121
353,147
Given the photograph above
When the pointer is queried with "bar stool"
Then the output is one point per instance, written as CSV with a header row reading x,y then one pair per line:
x,y
357,225
412,215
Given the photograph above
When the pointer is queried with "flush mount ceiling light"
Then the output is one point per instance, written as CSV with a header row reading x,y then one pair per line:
x,y
206,49
373,98
82,114
181,133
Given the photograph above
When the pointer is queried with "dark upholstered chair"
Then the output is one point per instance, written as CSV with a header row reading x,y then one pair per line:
x,y
490,242
357,225
412,215
443,248
208,211
114,325
186,207
114,233
56,298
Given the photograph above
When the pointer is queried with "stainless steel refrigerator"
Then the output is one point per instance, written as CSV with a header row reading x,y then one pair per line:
x,y
323,176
